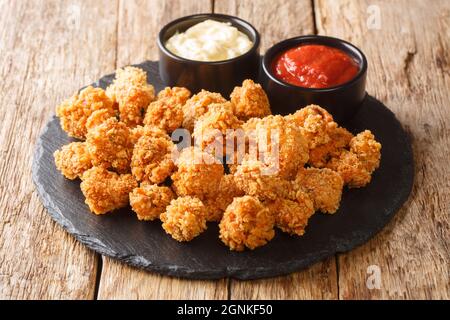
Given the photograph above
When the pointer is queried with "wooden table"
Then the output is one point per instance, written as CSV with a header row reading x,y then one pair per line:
x,y
49,49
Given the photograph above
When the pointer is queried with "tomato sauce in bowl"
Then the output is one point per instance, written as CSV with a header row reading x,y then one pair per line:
x,y
315,66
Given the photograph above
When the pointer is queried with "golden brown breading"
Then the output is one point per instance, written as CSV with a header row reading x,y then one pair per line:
x,y
246,223
73,159
198,174
315,124
197,106
98,117
291,146
292,216
324,186
184,218
339,139
110,145
105,190
351,169
150,200
367,149
152,156
250,101
166,112
74,112
132,93
255,179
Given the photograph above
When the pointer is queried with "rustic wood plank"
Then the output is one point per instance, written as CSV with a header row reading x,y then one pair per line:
x,y
410,72
277,20
139,24
43,44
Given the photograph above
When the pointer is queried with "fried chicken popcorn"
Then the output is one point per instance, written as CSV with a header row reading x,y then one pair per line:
x,y
150,200
166,112
184,218
324,187
152,156
199,173
73,160
367,149
105,190
246,223
292,216
75,111
250,101
198,105
110,145
132,93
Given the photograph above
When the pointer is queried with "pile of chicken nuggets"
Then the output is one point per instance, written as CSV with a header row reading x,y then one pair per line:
x,y
125,156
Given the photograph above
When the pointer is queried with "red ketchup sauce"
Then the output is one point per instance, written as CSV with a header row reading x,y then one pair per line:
x,y
315,66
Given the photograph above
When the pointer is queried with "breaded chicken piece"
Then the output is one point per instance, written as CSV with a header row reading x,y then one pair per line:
x,y
197,106
132,93
315,124
250,101
98,117
257,179
339,139
216,127
105,190
324,186
110,145
246,223
152,158
367,149
74,112
351,169
150,200
73,160
184,218
292,216
166,112
217,203
199,174
290,147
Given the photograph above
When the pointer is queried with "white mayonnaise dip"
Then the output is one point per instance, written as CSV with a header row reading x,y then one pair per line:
x,y
209,41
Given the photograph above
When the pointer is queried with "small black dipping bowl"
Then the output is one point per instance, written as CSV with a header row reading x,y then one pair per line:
x,y
341,101
216,76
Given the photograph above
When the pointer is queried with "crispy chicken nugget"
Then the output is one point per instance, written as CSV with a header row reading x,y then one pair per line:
x,y
132,93
367,149
73,160
74,112
197,106
288,149
98,117
199,173
184,218
150,200
292,216
110,145
250,101
246,223
152,156
324,186
166,112
105,190
351,169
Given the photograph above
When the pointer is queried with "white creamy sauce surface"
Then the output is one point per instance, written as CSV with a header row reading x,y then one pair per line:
x,y
209,40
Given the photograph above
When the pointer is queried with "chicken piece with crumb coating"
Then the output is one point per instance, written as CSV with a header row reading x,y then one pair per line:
x,y
75,111
198,105
246,223
184,218
367,149
351,169
150,200
73,160
250,101
106,191
110,145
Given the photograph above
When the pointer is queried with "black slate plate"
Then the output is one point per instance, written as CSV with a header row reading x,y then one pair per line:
x,y
362,214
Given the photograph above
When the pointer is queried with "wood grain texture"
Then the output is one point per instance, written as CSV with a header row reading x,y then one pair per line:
x,y
43,44
277,20
139,24
409,71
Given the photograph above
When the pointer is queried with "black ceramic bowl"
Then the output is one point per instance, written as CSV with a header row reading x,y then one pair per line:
x,y
341,101
217,76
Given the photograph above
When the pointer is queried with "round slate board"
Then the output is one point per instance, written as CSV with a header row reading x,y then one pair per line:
x,y
363,212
